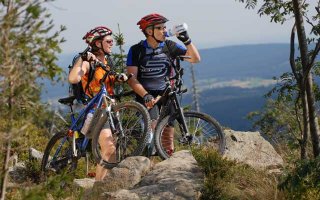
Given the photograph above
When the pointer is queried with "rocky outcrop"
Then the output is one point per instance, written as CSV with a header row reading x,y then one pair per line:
x,y
127,174
251,148
176,178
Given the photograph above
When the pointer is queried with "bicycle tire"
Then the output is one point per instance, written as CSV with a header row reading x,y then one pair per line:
x,y
64,157
65,161
135,132
205,130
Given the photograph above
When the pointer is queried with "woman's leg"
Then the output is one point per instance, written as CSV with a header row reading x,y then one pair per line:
x,y
108,150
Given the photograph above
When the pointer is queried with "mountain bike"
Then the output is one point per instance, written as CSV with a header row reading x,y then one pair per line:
x,y
128,121
191,128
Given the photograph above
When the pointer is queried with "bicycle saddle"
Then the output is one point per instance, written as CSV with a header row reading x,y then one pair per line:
x,y
67,100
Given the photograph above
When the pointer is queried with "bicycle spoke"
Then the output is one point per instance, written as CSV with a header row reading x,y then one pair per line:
x,y
203,130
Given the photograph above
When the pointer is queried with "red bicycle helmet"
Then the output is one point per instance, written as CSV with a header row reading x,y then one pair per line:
x,y
96,33
150,20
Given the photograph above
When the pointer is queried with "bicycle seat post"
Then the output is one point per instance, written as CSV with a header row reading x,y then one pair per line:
x,y
71,108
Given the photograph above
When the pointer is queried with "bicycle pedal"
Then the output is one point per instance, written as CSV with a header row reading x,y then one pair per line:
x,y
91,174
170,152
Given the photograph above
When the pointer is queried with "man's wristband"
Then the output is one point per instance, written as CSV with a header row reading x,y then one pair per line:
x,y
145,95
187,42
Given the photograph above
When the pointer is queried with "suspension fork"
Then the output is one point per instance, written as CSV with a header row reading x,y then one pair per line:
x,y
111,119
116,115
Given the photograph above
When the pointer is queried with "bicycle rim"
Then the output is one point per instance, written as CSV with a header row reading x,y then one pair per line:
x,y
204,130
57,156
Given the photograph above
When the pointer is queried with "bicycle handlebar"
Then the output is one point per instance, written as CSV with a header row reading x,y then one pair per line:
x,y
183,57
108,72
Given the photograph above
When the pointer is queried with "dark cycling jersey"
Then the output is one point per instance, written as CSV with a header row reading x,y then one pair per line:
x,y
154,64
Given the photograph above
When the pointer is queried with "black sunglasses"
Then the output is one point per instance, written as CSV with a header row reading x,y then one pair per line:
x,y
160,27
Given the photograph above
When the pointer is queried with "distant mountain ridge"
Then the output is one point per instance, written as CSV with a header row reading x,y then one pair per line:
x,y
242,61
232,62
225,67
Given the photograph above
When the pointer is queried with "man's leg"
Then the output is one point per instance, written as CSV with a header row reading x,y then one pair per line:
x,y
167,139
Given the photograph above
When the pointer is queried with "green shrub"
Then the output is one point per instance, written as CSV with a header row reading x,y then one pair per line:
x,y
303,180
56,187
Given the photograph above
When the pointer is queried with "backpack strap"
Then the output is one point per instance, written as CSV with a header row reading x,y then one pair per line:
x,y
90,77
166,50
142,51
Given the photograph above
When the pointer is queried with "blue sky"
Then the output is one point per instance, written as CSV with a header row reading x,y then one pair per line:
x,y
211,23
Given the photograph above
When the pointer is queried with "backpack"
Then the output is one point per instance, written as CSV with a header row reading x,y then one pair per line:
x,y
76,89
142,51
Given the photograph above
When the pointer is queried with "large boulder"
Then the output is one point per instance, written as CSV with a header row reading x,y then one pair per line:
x,y
127,174
179,177
251,148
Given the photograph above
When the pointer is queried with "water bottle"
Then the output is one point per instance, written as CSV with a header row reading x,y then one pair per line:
x,y
87,122
74,145
76,134
176,29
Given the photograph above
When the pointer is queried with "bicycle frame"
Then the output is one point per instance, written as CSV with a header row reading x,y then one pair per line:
x,y
172,93
95,102
178,110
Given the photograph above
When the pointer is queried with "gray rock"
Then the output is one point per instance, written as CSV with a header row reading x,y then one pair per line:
x,y
86,183
251,148
179,177
120,194
35,154
18,173
127,174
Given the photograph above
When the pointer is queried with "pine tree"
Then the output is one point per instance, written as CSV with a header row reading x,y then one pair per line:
x,y
28,51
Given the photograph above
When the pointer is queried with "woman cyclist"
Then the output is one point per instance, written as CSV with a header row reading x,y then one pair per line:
x,y
100,41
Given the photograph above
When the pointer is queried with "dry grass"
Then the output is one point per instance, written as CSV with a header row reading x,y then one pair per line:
x,y
230,180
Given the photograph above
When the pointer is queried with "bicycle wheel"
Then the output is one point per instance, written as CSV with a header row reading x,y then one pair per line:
x,y
135,122
58,154
203,130
58,158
